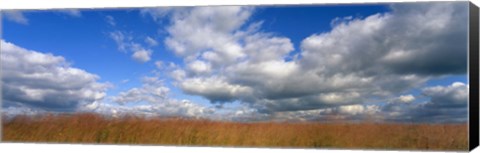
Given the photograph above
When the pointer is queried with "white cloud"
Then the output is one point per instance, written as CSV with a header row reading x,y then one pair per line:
x,y
446,104
162,108
190,27
275,70
341,113
45,81
15,16
120,39
160,103
404,99
159,13
152,91
262,47
217,89
360,60
142,55
453,95
199,67
125,43
404,41
373,59
227,58
178,74
352,109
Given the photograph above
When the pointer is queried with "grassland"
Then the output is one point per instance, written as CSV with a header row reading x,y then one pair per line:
x,y
91,128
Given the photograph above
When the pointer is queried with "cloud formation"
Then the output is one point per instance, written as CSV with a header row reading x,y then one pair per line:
x,y
361,60
191,27
164,108
445,104
142,55
159,102
152,90
45,81
364,68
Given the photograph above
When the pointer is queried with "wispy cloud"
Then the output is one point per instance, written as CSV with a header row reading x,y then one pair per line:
x,y
151,42
15,16
72,12
18,16
125,43
110,20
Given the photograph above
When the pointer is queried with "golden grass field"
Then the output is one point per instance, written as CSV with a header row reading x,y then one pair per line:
x,y
91,128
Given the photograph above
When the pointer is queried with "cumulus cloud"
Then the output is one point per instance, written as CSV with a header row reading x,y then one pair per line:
x,y
360,60
165,108
316,101
364,67
404,99
216,89
151,91
452,96
44,81
408,40
191,26
156,94
354,112
199,67
142,55
446,104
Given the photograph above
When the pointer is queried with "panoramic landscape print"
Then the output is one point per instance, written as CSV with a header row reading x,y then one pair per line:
x,y
356,76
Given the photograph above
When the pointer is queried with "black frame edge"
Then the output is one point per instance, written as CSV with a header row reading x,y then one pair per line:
x,y
473,77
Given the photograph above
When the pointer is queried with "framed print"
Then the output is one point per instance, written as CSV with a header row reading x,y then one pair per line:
x,y
386,76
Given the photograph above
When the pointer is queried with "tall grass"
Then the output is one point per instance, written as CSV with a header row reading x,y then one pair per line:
x,y
91,128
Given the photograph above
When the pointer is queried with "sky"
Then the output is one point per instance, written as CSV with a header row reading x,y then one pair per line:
x,y
400,62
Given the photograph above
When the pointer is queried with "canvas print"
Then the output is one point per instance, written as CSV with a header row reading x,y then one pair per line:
x,y
355,76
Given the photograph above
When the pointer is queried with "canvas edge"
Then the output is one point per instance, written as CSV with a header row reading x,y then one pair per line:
x,y
473,76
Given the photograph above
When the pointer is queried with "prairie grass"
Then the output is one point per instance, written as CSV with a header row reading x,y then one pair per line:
x,y
92,128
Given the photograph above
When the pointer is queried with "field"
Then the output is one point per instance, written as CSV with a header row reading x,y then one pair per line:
x,y
91,128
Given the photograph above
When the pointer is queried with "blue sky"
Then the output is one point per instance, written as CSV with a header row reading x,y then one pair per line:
x,y
243,63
